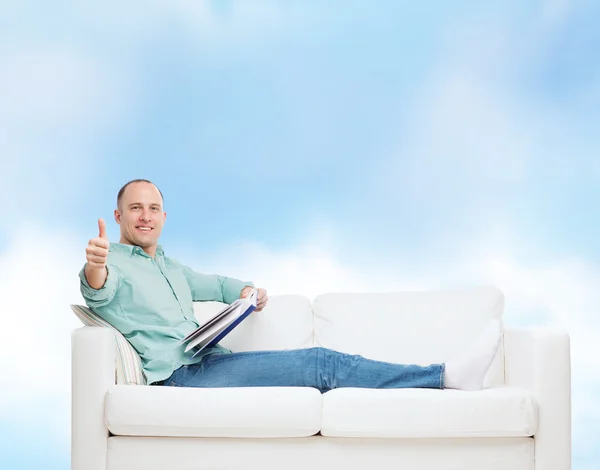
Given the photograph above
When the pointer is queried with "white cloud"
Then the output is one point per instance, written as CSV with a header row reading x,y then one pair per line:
x,y
478,125
52,87
555,11
308,270
468,128
465,131
37,283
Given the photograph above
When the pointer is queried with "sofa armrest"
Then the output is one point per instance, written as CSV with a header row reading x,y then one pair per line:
x,y
92,373
539,360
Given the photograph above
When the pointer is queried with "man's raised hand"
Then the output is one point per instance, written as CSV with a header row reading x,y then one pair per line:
x,y
96,252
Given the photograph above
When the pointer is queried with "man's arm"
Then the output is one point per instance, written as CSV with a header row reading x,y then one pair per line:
x,y
207,287
106,293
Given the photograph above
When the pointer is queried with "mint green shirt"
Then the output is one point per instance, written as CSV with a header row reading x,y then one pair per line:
x,y
149,300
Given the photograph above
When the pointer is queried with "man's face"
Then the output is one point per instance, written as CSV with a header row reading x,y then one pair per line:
x,y
141,215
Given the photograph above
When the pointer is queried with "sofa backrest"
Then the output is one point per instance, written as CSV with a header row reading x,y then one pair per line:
x,y
409,327
403,327
286,323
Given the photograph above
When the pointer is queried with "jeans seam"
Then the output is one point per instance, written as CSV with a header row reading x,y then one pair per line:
x,y
234,356
318,370
332,368
442,369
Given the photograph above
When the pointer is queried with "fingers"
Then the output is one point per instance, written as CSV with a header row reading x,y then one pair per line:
x,y
99,243
96,251
96,256
262,300
102,229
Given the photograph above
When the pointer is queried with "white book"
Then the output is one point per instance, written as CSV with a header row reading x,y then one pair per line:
x,y
221,324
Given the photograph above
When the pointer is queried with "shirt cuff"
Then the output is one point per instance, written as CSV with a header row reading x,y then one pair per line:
x,y
232,288
102,296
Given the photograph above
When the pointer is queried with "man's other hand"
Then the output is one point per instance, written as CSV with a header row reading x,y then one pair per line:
x,y
262,299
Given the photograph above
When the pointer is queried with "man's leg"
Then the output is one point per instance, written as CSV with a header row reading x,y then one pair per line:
x,y
319,368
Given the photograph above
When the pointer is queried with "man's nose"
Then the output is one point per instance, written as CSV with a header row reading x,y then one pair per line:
x,y
145,216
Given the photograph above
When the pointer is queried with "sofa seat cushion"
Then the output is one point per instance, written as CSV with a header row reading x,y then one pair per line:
x,y
265,412
426,413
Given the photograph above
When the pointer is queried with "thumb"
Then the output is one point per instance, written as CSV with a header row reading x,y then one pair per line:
x,y
102,229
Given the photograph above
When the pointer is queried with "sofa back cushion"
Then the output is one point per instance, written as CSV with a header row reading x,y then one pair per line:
x,y
415,327
286,323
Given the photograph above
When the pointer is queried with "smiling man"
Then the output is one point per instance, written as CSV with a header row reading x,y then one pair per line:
x,y
149,298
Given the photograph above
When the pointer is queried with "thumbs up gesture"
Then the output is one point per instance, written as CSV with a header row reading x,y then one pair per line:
x,y
96,252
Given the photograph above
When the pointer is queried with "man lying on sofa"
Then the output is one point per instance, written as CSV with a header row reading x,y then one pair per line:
x,y
148,298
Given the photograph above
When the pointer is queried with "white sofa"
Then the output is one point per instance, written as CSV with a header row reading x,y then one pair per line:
x,y
521,421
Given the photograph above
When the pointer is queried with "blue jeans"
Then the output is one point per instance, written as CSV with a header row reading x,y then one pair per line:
x,y
319,368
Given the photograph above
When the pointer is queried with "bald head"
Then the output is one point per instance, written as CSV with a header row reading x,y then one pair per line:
x,y
122,191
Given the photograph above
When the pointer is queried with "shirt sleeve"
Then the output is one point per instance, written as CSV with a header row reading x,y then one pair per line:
x,y
206,287
104,295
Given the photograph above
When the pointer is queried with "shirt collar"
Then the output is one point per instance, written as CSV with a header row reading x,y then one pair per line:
x,y
132,249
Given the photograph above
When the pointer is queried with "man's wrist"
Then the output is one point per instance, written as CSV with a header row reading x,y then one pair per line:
x,y
89,267
95,277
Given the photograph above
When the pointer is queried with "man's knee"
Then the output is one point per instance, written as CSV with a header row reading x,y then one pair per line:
x,y
321,355
316,355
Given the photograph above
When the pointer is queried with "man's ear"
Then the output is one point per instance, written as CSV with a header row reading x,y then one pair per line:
x,y
117,216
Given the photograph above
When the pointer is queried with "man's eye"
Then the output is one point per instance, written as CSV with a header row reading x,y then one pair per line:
x,y
155,209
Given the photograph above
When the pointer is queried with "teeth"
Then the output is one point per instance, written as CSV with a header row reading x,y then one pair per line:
x,y
145,229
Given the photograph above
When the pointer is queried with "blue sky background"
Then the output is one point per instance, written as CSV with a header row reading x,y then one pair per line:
x,y
309,147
